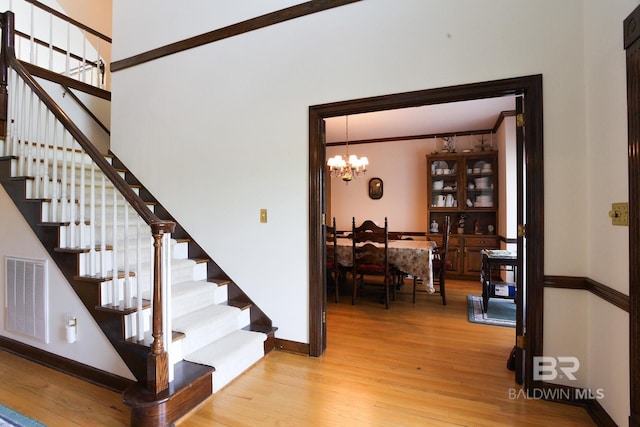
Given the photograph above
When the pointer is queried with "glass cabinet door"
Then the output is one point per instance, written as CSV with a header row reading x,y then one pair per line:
x,y
480,183
444,183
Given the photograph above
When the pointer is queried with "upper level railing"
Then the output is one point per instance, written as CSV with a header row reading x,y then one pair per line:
x,y
49,39
98,211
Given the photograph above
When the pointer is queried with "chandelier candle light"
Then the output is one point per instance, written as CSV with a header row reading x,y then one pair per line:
x,y
349,166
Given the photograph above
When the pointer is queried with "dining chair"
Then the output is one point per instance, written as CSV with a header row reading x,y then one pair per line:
x,y
440,264
334,269
370,255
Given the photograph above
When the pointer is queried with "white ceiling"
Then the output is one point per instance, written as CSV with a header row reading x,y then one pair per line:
x,y
462,116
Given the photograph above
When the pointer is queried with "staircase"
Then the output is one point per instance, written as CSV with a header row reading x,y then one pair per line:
x,y
181,325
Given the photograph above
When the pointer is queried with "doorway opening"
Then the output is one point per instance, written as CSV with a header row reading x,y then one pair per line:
x,y
529,89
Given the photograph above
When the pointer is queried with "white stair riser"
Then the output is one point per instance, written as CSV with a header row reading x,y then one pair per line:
x,y
125,287
131,323
198,295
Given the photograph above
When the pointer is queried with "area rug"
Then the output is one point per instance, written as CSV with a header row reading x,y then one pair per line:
x,y
502,312
9,417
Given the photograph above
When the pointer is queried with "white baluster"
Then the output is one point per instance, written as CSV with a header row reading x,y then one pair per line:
x,y
84,57
97,67
39,150
13,105
51,41
139,314
32,43
81,204
21,142
127,279
116,293
103,227
64,214
92,221
68,58
166,297
54,179
45,175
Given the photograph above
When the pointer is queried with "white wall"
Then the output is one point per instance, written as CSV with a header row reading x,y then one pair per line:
x,y
220,131
92,347
607,182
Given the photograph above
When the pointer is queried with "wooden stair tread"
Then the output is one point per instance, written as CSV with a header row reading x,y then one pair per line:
x,y
97,279
261,328
219,282
121,309
82,250
242,305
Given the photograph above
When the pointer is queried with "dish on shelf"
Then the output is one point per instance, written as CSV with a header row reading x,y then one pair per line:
x,y
482,183
438,167
437,185
479,164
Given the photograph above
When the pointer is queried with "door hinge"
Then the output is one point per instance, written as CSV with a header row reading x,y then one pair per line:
x,y
522,230
520,341
324,317
520,120
324,218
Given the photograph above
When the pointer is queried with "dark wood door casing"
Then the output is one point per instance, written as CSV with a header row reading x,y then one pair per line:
x,y
531,86
632,47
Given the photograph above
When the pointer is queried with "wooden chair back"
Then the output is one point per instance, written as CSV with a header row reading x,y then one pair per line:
x,y
331,256
368,231
369,258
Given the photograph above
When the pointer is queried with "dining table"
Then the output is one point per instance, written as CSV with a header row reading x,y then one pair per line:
x,y
412,257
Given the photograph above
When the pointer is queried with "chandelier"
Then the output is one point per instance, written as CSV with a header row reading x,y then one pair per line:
x,y
349,166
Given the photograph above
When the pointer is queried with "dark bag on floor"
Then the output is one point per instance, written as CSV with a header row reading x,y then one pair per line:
x,y
511,362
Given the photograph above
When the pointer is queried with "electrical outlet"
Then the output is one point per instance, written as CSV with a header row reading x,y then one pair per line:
x,y
263,215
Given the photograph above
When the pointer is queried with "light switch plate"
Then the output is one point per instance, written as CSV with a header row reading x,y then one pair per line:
x,y
263,215
619,213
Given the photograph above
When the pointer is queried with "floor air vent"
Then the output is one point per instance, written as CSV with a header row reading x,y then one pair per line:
x,y
26,297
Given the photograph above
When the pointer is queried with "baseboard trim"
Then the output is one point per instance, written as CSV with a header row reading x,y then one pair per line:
x,y
67,366
292,346
599,415
576,396
606,293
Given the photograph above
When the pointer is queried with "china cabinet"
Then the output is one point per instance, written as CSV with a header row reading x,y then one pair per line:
x,y
464,186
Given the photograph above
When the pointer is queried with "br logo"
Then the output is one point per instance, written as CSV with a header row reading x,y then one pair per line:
x,y
548,368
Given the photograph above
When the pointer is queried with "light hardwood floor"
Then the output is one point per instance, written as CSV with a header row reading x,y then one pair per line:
x,y
411,365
